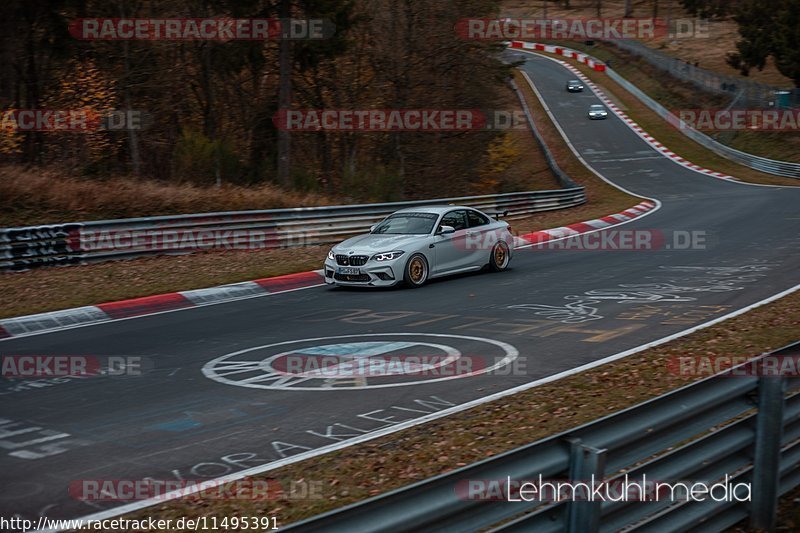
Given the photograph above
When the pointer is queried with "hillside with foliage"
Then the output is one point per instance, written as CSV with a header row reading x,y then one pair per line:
x,y
210,104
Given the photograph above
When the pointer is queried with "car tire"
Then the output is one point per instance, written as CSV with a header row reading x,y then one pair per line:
x,y
416,271
500,257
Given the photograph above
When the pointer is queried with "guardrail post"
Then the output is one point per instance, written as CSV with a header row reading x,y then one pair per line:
x,y
587,464
767,461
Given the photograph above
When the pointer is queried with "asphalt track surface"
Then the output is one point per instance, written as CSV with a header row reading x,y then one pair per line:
x,y
575,307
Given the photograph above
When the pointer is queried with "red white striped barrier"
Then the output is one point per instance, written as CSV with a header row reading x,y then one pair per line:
x,y
595,64
579,228
14,327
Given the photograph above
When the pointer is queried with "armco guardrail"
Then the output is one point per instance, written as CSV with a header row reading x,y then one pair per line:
x,y
563,178
752,93
770,166
83,242
747,428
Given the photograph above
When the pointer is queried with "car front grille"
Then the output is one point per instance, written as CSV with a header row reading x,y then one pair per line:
x,y
352,277
351,260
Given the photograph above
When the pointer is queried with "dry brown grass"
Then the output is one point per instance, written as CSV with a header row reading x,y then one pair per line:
x,y
709,51
788,512
44,196
528,170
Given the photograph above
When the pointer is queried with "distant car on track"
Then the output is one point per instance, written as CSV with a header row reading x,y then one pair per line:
x,y
597,112
574,86
416,244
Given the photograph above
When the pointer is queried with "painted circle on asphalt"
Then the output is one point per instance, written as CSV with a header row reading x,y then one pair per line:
x,y
364,361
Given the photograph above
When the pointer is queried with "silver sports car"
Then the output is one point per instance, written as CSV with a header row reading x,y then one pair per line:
x,y
419,243
597,112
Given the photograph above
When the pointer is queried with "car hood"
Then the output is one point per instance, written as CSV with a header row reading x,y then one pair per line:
x,y
373,244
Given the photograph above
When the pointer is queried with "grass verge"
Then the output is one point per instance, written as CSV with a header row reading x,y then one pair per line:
x,y
788,512
670,136
46,196
371,468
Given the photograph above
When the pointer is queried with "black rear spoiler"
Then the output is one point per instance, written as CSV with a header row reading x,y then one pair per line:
x,y
499,214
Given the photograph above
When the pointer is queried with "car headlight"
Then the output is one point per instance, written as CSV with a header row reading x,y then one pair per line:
x,y
387,256
331,256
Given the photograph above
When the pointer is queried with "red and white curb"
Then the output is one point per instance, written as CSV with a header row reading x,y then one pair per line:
x,y
580,228
149,305
595,64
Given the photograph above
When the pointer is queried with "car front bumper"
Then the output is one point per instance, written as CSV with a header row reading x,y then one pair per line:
x,y
372,274
598,117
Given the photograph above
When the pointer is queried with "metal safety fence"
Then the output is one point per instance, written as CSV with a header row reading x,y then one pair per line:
x,y
770,166
741,426
83,242
752,93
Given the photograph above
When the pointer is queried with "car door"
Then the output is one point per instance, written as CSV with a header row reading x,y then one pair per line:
x,y
451,249
480,238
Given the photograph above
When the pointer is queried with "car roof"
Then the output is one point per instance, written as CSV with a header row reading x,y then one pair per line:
x,y
433,209
596,105
573,81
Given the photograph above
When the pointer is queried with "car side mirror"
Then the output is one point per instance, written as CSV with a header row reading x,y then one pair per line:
x,y
372,228
445,230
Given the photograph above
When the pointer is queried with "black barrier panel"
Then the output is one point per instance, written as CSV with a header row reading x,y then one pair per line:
x,y
33,246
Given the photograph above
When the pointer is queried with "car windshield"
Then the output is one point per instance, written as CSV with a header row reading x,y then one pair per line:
x,y
574,82
407,224
597,107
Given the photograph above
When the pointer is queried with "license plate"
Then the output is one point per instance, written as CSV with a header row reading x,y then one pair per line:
x,y
349,271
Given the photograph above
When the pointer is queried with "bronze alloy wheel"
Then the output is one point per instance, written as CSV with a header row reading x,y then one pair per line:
x,y
499,257
416,271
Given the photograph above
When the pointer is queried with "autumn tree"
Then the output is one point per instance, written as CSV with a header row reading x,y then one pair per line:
x,y
765,33
709,8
